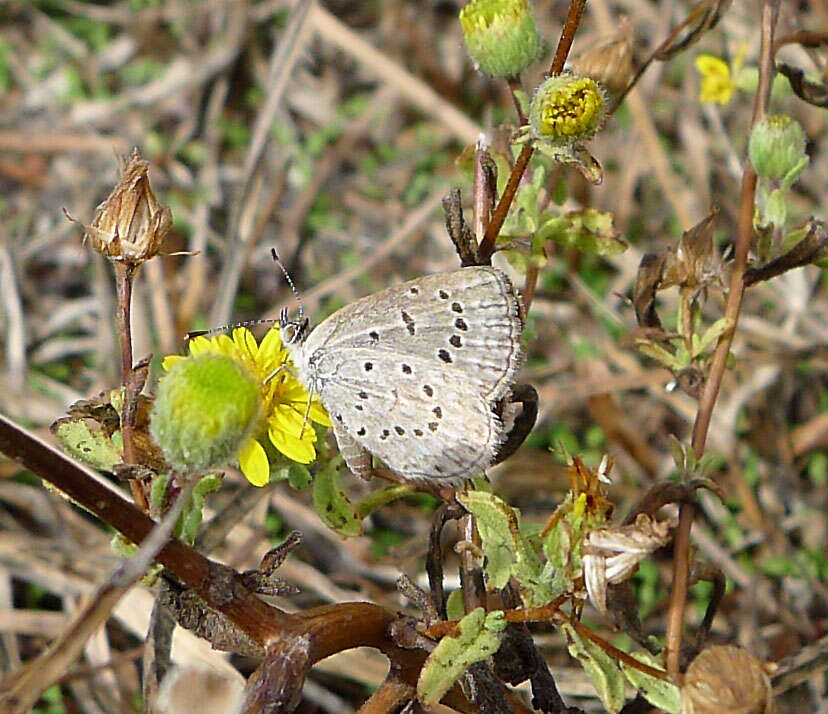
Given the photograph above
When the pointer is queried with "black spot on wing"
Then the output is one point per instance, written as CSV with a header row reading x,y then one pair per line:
x,y
409,322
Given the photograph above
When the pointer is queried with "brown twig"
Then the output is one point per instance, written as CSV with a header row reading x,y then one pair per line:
x,y
573,19
515,87
321,631
552,611
51,665
687,511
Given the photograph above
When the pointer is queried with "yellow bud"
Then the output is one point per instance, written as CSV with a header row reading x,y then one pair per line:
x,y
567,109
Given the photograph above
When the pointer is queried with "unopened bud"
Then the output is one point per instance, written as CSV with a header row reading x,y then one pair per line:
x,y
130,225
567,109
777,149
205,408
501,35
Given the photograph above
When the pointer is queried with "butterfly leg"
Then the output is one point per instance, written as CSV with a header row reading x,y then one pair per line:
x,y
356,458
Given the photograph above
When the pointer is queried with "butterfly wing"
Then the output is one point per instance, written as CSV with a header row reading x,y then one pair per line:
x,y
426,425
412,373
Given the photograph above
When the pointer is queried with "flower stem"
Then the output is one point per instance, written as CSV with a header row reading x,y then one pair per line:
x,y
573,19
124,277
687,511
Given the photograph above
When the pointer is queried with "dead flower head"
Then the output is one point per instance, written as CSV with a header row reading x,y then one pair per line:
x,y
610,63
611,555
130,225
726,678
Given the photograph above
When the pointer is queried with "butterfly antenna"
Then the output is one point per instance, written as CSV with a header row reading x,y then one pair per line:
x,y
289,282
224,328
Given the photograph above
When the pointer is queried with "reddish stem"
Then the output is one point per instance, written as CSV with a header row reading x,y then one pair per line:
x,y
573,19
124,277
718,365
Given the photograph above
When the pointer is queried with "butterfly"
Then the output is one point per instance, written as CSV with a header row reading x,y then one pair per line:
x,y
416,374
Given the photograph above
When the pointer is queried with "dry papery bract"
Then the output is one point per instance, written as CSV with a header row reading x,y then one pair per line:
x,y
726,678
130,225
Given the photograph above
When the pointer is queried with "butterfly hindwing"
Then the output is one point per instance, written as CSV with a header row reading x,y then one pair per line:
x,y
411,374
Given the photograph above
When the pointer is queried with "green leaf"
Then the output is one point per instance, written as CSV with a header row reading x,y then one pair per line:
x,y
332,505
455,607
559,192
712,335
158,491
190,520
658,692
508,553
378,498
86,443
794,238
709,462
602,670
790,178
479,639
776,208
659,354
678,450
499,533
299,477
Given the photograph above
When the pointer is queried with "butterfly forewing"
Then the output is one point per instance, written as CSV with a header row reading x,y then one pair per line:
x,y
427,358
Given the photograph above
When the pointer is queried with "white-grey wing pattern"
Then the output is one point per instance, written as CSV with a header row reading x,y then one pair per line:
x,y
468,319
411,373
422,427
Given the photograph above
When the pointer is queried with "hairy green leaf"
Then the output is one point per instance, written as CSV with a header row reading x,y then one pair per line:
x,y
332,505
478,639
659,693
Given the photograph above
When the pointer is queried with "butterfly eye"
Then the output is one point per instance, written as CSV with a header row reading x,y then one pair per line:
x,y
292,331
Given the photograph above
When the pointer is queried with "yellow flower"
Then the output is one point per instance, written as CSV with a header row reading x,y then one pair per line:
x,y
284,398
718,78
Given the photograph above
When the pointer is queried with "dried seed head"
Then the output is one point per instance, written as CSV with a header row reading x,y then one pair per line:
x,y
130,225
726,678
567,109
609,63
501,36
612,555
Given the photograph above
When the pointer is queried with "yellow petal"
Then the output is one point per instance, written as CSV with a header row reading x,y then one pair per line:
x,y
245,342
293,390
253,462
200,344
271,343
299,450
712,66
168,361
319,415
224,345
716,89
288,417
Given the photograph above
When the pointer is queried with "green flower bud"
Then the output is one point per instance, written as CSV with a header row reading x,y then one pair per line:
x,y
501,36
567,109
777,149
205,408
